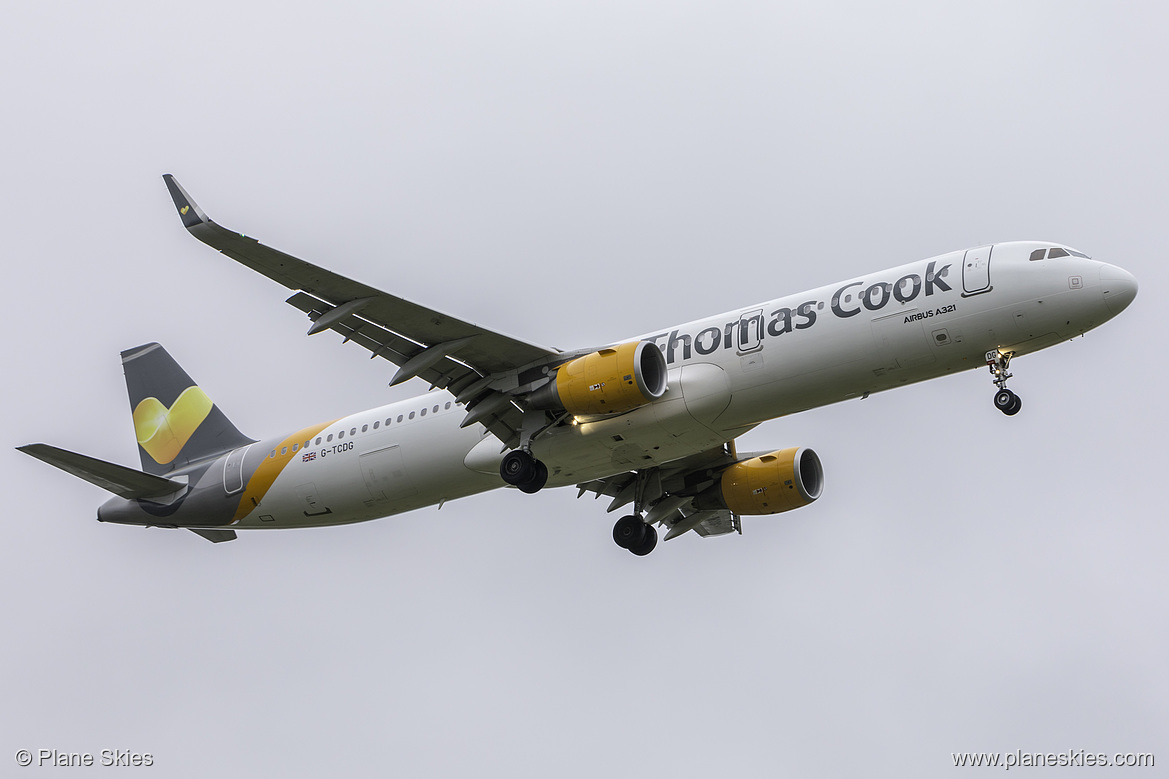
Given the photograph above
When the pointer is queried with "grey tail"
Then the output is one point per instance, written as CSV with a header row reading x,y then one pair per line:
x,y
175,422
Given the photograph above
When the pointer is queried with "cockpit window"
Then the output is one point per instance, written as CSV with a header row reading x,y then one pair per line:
x,y
1055,252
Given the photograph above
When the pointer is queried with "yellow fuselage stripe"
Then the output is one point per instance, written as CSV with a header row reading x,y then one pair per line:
x,y
271,467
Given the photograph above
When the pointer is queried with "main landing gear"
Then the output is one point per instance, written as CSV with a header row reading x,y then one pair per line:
x,y
1004,400
634,534
523,471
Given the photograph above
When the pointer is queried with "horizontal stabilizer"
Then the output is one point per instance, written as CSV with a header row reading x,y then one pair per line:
x,y
118,479
215,536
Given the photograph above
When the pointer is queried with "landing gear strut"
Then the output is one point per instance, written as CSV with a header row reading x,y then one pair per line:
x,y
633,534
1004,400
521,470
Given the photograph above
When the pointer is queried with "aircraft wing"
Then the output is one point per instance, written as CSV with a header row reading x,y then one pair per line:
x,y
441,349
666,492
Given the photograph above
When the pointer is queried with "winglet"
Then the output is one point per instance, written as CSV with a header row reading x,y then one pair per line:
x,y
189,212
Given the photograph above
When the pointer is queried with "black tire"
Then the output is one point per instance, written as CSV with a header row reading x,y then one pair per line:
x,y
517,467
537,482
648,543
629,532
1014,407
1004,399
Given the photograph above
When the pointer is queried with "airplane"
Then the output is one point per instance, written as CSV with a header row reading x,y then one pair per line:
x,y
649,422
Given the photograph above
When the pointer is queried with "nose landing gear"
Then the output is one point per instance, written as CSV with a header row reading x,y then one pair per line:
x,y
1007,402
1004,400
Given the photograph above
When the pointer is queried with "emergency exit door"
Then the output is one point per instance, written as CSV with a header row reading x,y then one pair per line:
x,y
976,271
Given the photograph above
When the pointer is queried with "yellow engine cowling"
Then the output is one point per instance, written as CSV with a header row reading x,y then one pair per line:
x,y
607,381
780,481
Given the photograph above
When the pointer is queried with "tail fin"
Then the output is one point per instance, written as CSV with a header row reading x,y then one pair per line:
x,y
174,420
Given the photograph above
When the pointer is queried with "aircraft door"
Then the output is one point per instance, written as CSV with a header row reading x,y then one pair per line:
x,y
749,334
976,271
233,470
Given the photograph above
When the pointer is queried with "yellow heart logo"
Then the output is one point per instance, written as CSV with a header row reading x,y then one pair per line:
x,y
162,431
184,210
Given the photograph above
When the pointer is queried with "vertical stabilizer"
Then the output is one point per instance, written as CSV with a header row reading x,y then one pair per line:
x,y
175,422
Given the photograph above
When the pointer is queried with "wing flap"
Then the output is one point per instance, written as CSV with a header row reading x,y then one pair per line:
x,y
717,523
666,491
446,372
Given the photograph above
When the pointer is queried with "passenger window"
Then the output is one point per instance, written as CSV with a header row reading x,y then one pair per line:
x,y
448,405
319,440
1038,254
330,438
400,418
306,443
1051,255
423,412
388,420
435,409
295,447
353,431
340,435
272,453
411,414
284,450
365,428
376,424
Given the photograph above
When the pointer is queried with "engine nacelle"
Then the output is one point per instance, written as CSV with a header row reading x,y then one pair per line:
x,y
607,381
780,481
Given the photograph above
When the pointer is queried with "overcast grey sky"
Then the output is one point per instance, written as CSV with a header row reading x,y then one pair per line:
x,y
573,173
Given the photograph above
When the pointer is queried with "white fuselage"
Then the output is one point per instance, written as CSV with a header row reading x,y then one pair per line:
x,y
726,374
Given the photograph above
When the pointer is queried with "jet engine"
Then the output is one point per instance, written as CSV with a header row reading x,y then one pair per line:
x,y
607,381
780,481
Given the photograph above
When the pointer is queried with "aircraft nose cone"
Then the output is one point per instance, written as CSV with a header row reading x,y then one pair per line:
x,y
1119,287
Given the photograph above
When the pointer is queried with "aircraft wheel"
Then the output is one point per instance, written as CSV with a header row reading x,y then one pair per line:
x,y
1014,407
629,532
517,467
1004,400
648,543
537,482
